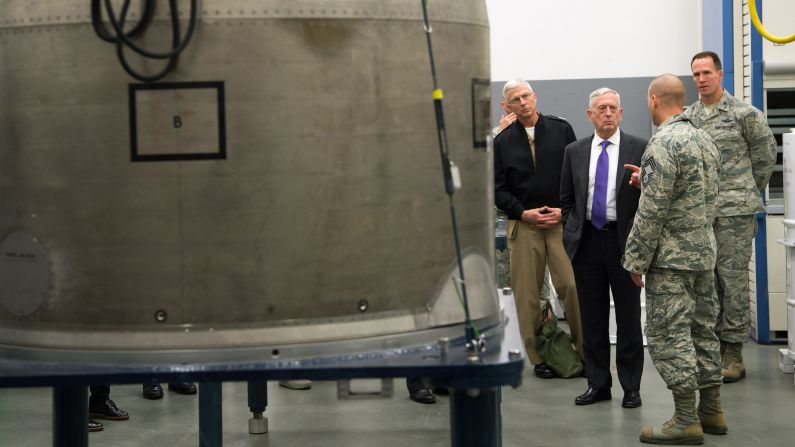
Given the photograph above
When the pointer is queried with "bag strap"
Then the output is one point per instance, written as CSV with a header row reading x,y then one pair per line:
x,y
548,313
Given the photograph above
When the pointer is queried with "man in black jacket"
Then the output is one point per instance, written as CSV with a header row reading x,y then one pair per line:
x,y
599,206
528,156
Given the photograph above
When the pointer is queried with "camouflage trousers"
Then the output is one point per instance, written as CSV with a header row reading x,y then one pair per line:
x,y
734,235
681,310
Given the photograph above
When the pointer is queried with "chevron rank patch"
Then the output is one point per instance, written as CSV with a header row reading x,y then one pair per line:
x,y
647,170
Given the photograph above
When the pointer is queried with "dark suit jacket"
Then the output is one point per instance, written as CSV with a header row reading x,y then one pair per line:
x,y
574,189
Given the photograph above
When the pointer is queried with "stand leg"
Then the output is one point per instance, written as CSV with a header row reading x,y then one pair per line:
x,y
475,418
210,415
70,416
257,401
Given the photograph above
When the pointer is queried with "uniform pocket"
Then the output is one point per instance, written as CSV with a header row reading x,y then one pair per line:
x,y
513,227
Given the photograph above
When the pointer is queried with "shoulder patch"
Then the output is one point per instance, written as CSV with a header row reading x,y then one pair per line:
x,y
647,171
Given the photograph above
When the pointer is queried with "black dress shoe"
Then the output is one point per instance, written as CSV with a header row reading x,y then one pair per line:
x,y
542,370
153,391
631,399
422,395
419,391
182,387
94,425
593,395
107,409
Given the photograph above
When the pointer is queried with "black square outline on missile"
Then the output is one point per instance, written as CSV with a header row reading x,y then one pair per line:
x,y
135,153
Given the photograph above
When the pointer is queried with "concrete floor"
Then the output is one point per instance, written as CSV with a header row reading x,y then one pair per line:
x,y
760,411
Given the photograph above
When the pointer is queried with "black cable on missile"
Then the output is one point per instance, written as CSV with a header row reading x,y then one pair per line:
x,y
147,12
472,340
122,39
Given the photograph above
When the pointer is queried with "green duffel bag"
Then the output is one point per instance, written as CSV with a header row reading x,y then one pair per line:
x,y
554,345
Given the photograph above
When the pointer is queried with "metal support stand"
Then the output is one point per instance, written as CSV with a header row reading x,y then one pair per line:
x,y
211,432
475,418
257,402
474,378
70,416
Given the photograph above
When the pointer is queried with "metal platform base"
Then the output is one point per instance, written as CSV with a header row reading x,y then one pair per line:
x,y
474,384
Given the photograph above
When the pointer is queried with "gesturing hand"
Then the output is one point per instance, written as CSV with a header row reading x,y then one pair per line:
x,y
634,179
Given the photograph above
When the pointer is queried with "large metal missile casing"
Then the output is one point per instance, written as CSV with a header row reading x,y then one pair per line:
x,y
323,219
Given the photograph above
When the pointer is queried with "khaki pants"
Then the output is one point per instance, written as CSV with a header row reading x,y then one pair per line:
x,y
531,250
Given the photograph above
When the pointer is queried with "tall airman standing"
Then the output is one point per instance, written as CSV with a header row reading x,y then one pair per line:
x,y
748,155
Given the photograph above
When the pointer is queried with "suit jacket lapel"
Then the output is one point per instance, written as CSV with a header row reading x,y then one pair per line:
x,y
583,172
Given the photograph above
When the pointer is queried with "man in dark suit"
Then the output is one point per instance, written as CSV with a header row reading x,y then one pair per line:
x,y
598,205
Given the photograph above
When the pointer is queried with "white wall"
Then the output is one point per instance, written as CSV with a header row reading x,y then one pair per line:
x,y
583,39
777,18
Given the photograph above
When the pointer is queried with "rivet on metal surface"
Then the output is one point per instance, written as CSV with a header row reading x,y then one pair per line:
x,y
363,305
161,316
506,290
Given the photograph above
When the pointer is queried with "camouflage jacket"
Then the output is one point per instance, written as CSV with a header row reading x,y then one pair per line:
x,y
747,152
679,178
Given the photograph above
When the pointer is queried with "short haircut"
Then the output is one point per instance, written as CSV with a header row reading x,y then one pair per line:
x,y
513,83
709,54
602,91
669,89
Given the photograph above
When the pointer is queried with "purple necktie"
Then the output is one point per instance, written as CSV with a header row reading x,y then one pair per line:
x,y
599,206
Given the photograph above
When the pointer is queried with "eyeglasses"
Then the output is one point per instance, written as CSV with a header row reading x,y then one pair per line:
x,y
516,100
603,109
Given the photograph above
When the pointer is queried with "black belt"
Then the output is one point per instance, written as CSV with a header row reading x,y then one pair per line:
x,y
609,226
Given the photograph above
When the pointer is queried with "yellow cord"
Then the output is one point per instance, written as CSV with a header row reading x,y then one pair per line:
x,y
762,30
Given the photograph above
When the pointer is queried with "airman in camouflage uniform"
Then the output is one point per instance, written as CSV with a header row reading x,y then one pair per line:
x,y
748,155
672,242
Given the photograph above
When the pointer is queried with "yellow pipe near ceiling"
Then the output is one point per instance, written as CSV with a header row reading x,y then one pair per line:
x,y
759,27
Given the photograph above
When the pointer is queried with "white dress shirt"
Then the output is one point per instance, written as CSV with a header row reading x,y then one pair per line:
x,y
612,153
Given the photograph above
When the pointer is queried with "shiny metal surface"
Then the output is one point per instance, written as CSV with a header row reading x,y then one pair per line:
x,y
326,219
